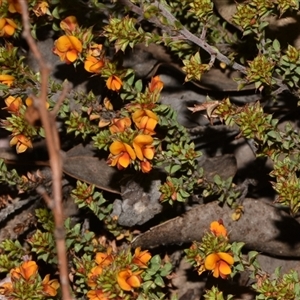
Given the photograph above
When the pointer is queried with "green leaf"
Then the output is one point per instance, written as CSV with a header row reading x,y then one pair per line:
x,y
159,281
171,169
276,45
252,256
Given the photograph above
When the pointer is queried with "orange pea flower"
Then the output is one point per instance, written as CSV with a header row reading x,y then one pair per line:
x,y
217,228
129,280
114,83
97,295
141,258
156,84
119,125
93,65
13,104
93,275
67,48
220,263
21,142
27,270
145,166
50,287
104,259
14,6
69,24
143,148
41,8
121,155
7,79
7,27
146,120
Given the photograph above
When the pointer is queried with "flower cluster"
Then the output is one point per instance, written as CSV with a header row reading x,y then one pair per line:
x,y
26,283
9,23
76,44
116,274
136,145
213,253
21,130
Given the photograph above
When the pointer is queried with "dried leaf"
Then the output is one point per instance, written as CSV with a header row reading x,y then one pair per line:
x,y
80,163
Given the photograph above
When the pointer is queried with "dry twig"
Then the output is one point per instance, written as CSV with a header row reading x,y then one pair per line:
x,y
53,145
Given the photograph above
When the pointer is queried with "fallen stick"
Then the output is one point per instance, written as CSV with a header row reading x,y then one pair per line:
x,y
263,227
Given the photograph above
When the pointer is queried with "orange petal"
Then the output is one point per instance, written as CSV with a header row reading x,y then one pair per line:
x,y
138,151
76,44
218,229
2,23
11,23
226,257
151,124
143,139
6,77
151,114
130,151
121,279
69,23
63,43
134,281
124,160
146,167
28,269
114,83
216,272
148,152
72,55
117,147
224,268
24,140
137,115
211,261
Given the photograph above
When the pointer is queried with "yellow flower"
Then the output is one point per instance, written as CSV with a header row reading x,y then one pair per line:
x,y
13,104
93,65
121,155
7,79
146,120
50,287
129,280
119,125
98,295
69,24
27,270
93,275
217,228
14,6
220,263
41,8
67,48
143,148
21,142
7,27
114,83
156,84
141,258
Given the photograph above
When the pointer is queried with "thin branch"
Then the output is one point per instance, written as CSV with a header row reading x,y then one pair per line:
x,y
183,32
53,145
66,88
